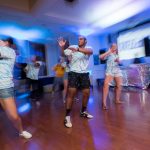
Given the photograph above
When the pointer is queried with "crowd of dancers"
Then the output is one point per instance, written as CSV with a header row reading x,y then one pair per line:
x,y
71,70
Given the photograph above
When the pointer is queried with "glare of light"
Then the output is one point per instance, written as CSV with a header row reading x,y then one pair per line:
x,y
122,14
16,31
91,100
25,108
90,72
86,31
23,96
102,8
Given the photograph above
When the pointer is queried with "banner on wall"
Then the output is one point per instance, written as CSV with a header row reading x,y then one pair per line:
x,y
131,42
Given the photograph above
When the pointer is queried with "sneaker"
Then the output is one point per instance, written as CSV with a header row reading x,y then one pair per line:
x,y
85,114
25,134
67,122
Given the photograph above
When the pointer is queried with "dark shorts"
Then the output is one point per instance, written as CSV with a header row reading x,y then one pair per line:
x,y
79,80
6,93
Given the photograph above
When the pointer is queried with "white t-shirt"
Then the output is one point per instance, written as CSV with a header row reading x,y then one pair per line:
x,y
79,61
7,60
32,71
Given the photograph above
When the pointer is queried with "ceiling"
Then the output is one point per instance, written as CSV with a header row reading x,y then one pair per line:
x,y
58,17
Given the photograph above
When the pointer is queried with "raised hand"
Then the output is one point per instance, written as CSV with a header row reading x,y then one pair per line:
x,y
111,50
61,42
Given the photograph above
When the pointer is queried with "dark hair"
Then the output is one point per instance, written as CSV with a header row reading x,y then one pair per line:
x,y
8,39
66,44
85,39
38,58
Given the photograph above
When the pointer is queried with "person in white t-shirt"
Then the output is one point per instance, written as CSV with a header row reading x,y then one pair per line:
x,y
7,60
65,64
32,72
78,76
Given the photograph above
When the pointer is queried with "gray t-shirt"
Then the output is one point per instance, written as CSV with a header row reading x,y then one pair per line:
x,y
7,60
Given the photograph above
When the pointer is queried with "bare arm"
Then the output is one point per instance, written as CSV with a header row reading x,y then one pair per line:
x,y
62,43
62,51
103,56
87,51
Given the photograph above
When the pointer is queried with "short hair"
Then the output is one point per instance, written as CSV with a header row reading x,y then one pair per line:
x,y
82,36
7,39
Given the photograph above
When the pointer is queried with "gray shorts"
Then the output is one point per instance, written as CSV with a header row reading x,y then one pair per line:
x,y
114,72
7,93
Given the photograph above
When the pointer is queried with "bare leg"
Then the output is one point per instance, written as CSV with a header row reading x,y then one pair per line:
x,y
10,108
70,97
108,79
118,81
85,98
65,90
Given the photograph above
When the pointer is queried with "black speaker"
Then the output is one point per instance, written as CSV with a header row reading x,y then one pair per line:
x,y
147,46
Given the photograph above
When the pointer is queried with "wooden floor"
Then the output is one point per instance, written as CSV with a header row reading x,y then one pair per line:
x,y
122,127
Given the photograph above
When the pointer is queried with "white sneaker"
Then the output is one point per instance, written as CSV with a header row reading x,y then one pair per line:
x,y
25,134
86,115
67,122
